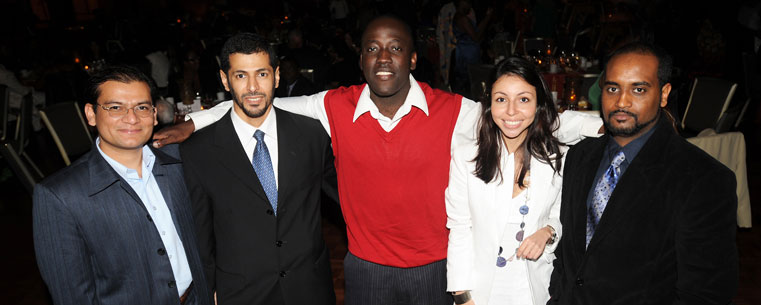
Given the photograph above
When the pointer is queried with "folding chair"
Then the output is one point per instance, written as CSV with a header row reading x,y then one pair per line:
x,y
4,106
24,130
68,129
709,99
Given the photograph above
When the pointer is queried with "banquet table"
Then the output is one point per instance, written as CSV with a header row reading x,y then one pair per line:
x,y
729,149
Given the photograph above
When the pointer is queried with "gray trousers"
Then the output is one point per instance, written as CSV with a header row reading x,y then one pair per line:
x,y
373,284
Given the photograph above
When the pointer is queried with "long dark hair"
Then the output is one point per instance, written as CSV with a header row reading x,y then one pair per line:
x,y
540,141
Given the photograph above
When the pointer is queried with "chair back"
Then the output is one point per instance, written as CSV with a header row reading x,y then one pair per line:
x,y
481,78
17,166
68,129
5,101
23,124
709,99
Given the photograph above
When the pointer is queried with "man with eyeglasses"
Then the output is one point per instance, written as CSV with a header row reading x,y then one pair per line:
x,y
115,227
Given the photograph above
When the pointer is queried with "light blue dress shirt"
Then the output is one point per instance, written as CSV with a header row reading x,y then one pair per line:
x,y
148,191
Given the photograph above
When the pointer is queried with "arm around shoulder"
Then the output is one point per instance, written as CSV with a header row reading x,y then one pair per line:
x,y
460,251
575,126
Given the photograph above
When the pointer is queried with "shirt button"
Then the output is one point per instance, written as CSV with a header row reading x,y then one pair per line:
x,y
161,251
172,284
163,232
283,273
154,208
279,243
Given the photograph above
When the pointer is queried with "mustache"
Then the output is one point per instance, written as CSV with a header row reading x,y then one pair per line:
x,y
612,113
253,94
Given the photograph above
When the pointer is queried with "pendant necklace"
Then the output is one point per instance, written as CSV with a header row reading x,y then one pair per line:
x,y
501,261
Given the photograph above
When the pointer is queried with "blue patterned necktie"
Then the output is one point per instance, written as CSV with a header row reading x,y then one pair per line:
x,y
602,193
263,168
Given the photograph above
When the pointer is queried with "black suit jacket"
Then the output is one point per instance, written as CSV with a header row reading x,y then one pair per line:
x,y
96,243
667,235
250,255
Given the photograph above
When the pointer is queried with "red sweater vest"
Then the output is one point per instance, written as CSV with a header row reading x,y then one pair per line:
x,y
391,184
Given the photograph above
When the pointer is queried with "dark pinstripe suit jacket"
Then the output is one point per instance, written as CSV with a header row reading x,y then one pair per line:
x,y
96,244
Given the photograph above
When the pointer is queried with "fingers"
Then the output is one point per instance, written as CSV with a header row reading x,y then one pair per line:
x,y
529,250
156,144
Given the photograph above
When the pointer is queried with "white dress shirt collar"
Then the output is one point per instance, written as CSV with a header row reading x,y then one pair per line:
x,y
415,97
246,132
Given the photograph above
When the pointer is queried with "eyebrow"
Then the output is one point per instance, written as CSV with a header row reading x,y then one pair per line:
x,y
256,70
397,40
123,103
519,93
642,83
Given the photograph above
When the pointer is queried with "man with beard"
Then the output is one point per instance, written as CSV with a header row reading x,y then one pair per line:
x,y
648,218
392,139
256,178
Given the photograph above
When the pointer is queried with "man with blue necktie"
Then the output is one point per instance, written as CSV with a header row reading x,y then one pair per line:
x,y
256,178
648,218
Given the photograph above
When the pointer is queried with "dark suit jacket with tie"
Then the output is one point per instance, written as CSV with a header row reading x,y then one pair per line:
x,y
251,255
96,243
667,235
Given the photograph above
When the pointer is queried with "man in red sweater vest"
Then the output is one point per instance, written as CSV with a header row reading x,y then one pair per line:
x,y
392,139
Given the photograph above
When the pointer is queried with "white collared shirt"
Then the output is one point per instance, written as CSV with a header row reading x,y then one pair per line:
x,y
246,132
415,97
147,189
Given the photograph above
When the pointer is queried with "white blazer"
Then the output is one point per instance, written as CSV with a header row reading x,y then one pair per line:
x,y
474,235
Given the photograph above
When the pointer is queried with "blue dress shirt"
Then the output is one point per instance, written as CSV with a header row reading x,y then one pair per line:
x,y
150,194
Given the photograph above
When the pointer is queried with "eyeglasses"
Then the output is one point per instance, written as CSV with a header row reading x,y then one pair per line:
x,y
117,111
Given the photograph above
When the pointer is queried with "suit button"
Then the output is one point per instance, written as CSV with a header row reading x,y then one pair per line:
x,y
279,243
161,251
270,212
172,284
579,282
283,273
149,217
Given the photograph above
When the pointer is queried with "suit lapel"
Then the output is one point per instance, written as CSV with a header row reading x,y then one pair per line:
x,y
287,146
102,176
229,151
167,185
587,168
629,190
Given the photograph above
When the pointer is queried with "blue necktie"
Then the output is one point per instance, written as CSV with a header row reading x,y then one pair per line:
x,y
263,168
602,193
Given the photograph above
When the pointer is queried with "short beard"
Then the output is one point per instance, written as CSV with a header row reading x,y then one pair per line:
x,y
628,132
255,113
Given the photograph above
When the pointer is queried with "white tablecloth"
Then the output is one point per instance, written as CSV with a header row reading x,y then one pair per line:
x,y
729,149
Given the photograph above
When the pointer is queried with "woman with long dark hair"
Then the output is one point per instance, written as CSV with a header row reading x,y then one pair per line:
x,y
503,199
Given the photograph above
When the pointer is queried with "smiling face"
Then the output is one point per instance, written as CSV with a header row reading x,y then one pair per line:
x,y
251,81
513,107
128,133
387,58
631,96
